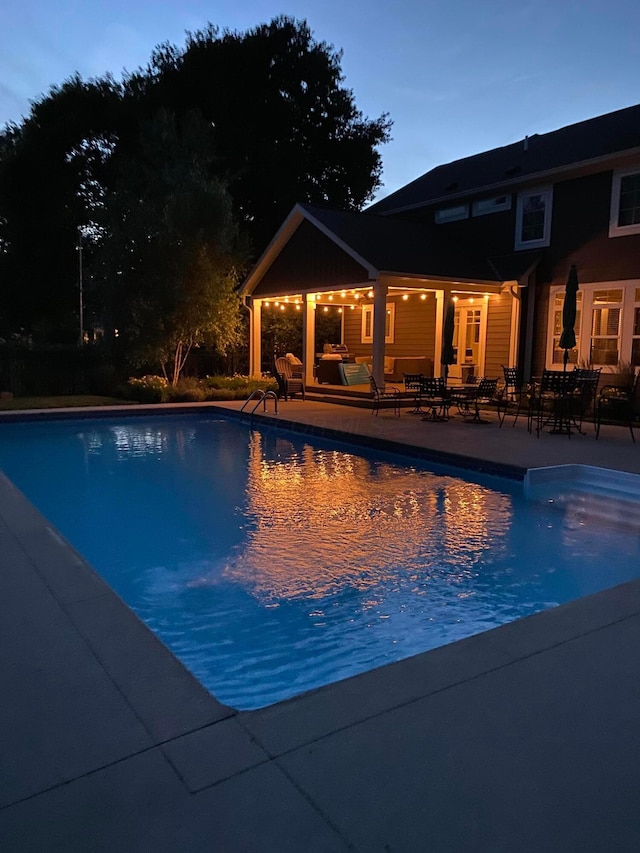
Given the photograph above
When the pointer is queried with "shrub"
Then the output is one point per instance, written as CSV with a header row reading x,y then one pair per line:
x,y
147,389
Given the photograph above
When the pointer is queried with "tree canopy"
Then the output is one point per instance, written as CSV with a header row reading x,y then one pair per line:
x,y
233,126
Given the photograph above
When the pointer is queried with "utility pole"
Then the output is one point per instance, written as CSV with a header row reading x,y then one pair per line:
x,y
81,311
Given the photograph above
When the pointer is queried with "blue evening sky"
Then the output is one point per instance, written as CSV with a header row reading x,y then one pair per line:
x,y
457,76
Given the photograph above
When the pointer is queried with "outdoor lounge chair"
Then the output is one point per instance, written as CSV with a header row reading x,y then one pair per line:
x,y
289,382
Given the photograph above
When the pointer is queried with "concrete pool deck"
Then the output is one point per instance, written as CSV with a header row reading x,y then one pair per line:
x,y
522,738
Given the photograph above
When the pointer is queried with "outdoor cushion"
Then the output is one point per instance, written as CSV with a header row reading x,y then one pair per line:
x,y
354,374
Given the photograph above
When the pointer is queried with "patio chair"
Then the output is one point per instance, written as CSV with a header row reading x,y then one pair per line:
x,y
382,393
468,399
587,385
514,395
435,397
412,382
619,403
290,382
554,402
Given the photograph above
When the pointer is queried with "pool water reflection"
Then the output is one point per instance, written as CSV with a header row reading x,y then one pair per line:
x,y
271,565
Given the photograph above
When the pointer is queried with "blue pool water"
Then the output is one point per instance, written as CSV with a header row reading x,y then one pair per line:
x,y
271,565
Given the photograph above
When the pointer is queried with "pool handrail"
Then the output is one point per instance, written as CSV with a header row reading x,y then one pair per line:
x,y
260,396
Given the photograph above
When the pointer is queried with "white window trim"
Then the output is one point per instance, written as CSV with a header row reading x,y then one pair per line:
x,y
546,237
628,287
451,214
368,309
485,206
616,230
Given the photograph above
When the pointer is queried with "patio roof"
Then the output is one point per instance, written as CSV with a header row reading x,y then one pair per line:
x,y
377,245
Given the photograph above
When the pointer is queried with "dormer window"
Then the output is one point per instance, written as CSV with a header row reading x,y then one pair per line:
x,y
533,218
451,214
491,205
625,203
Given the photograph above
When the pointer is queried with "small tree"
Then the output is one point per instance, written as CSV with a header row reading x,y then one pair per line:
x,y
170,256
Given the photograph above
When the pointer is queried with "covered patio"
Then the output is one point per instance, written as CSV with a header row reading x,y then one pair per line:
x,y
388,282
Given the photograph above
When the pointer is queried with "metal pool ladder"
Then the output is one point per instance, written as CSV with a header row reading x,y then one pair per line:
x,y
259,396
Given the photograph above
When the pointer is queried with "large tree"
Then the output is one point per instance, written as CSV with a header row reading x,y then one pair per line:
x,y
286,127
169,254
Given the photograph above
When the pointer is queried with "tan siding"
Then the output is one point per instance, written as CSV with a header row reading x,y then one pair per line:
x,y
414,328
498,334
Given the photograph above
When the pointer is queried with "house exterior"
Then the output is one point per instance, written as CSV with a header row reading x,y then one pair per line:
x,y
495,233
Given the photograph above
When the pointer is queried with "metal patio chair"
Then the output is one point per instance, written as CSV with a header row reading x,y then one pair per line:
x,y
620,404
382,393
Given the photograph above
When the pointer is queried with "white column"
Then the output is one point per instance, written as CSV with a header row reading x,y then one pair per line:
x,y
255,338
379,327
514,336
441,301
308,335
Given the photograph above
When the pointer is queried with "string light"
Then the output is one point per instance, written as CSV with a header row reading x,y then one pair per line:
x,y
370,294
423,296
405,296
325,309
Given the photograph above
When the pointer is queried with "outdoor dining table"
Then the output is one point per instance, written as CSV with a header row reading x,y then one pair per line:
x,y
465,398
554,396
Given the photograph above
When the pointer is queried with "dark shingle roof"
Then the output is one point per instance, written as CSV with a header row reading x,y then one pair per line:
x,y
540,153
394,245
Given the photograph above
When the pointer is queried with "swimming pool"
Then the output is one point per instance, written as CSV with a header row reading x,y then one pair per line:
x,y
270,564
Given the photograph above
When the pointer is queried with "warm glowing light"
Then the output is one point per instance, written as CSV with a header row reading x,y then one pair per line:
x,y
266,304
343,293
325,309
317,296
405,296
277,304
370,294
283,307
339,310
455,298
423,296
297,307
471,300
352,307
330,297
358,295
486,296
286,299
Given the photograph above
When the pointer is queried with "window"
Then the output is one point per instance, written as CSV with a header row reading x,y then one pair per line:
x,y
533,218
607,325
606,314
367,324
491,205
635,341
451,214
625,203
558,304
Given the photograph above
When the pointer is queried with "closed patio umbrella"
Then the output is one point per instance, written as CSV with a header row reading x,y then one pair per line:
x,y
448,357
568,336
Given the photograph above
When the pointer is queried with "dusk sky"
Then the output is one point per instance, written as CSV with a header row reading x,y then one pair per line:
x,y
456,77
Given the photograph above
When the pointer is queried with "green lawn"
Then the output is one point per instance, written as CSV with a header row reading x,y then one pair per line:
x,y
60,402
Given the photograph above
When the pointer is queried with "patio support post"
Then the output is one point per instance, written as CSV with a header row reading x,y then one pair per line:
x,y
442,297
255,338
308,336
379,329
